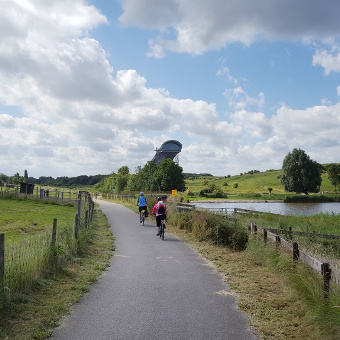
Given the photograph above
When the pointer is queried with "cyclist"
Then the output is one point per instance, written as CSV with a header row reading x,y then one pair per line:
x,y
142,204
160,211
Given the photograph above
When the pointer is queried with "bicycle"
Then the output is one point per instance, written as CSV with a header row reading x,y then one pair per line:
x,y
161,230
143,217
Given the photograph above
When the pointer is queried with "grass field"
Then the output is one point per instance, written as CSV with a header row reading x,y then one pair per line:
x,y
249,186
22,217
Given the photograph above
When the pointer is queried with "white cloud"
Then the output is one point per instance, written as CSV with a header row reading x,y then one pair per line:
x,y
200,25
238,99
225,72
256,124
330,61
78,116
316,126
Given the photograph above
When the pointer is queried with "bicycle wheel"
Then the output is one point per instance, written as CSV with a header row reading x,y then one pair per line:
x,y
143,219
162,230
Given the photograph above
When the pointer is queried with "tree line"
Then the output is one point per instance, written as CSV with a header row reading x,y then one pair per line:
x,y
63,181
152,177
300,174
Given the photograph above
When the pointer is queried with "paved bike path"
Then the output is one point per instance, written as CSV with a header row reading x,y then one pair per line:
x,y
154,290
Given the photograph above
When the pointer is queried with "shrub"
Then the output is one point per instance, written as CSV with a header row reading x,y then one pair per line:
x,y
182,220
205,225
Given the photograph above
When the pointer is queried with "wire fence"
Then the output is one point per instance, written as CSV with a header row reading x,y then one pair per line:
x,y
328,273
40,193
22,264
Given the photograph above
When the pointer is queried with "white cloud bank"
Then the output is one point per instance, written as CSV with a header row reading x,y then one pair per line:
x,y
196,26
66,113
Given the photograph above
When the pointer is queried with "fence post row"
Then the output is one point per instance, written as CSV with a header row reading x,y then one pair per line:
x,y
326,271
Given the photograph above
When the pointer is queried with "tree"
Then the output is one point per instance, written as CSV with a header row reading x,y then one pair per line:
x,y
146,177
124,170
15,178
25,176
3,178
300,173
333,170
170,175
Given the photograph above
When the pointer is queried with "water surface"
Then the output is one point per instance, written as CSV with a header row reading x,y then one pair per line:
x,y
293,209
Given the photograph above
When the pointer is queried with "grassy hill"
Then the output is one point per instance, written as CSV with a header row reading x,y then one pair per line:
x,y
248,186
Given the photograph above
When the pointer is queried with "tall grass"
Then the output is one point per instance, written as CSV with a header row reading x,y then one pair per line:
x,y
309,284
208,226
324,249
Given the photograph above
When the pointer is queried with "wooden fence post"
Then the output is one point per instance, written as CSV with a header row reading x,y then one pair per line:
x,y
79,206
253,228
265,236
54,232
296,253
86,218
290,233
2,268
2,257
278,241
76,226
326,273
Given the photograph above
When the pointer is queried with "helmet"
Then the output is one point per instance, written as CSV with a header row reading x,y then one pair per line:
x,y
142,193
159,199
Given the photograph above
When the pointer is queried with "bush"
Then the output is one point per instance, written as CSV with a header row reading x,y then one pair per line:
x,y
205,225
182,220
190,193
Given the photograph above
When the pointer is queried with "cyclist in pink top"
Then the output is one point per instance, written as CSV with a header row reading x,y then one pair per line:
x,y
160,211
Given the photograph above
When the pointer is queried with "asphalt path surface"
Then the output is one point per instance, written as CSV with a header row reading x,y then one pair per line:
x,y
154,290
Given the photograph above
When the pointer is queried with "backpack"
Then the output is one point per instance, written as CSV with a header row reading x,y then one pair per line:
x,y
161,209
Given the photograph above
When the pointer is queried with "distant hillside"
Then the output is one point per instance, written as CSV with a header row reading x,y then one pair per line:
x,y
252,182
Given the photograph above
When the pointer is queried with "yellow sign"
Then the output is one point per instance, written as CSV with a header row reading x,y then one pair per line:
x,y
174,193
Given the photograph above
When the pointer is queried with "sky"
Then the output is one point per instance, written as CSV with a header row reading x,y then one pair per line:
x,y
87,87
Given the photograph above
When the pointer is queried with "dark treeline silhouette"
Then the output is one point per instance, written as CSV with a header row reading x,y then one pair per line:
x,y
66,181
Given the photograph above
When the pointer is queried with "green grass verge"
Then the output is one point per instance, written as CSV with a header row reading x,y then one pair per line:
x,y
33,315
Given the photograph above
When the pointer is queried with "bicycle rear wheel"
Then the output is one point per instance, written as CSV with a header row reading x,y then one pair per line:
x,y
162,230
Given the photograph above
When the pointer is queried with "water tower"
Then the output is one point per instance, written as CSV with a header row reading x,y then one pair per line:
x,y
169,149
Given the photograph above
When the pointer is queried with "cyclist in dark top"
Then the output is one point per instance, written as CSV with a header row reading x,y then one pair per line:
x,y
142,204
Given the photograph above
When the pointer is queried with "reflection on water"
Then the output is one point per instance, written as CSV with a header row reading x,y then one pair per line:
x,y
293,209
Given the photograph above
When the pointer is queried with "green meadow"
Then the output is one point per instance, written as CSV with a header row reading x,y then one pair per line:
x,y
248,186
24,217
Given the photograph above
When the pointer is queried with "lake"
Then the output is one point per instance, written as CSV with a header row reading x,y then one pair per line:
x,y
292,209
